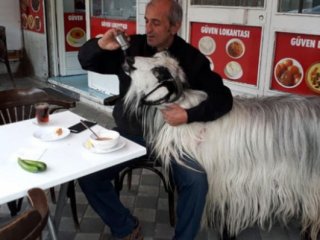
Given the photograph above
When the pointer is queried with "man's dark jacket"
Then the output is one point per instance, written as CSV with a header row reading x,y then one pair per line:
x,y
195,65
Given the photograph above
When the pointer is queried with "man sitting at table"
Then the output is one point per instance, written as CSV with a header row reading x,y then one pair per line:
x,y
103,55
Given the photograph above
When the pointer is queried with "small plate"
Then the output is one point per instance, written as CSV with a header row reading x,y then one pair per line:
x,y
87,145
207,45
51,133
233,70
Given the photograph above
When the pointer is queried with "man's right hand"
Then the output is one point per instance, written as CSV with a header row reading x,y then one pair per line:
x,y
108,40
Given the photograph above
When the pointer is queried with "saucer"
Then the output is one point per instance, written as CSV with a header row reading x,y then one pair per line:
x,y
87,145
51,133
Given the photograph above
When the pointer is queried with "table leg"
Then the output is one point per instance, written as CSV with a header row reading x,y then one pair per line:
x,y
60,205
52,229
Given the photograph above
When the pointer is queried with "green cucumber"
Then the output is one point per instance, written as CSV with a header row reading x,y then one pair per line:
x,y
32,165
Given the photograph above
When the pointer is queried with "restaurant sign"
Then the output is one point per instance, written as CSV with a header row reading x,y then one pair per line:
x,y
75,31
100,25
32,15
296,67
232,50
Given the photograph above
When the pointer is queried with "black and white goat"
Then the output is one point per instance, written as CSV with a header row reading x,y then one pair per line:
x,y
262,158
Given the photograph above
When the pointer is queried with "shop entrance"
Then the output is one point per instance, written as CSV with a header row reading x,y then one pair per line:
x,y
71,35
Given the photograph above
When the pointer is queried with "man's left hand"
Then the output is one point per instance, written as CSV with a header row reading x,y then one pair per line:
x,y
174,115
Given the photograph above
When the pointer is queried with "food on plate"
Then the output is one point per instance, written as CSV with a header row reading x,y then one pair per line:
x,y
76,37
59,131
32,165
24,21
24,4
288,72
207,45
235,48
233,70
37,23
313,77
35,5
31,22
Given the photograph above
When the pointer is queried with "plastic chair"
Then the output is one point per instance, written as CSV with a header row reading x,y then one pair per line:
x,y
17,105
30,224
4,53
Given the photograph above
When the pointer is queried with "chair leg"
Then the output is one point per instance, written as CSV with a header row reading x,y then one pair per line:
x,y
129,179
15,206
73,203
10,73
171,190
53,195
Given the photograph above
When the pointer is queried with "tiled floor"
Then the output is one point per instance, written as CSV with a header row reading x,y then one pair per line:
x,y
146,199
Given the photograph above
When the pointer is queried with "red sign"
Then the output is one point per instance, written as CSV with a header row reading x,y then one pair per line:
x,y
296,67
75,31
101,25
32,15
232,50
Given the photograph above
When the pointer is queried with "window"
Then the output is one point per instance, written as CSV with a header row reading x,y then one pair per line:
x,y
300,6
235,3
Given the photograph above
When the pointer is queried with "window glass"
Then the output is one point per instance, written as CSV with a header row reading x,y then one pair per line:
x,y
300,6
237,3
117,9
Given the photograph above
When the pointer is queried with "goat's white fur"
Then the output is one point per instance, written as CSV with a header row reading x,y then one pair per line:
x,y
262,159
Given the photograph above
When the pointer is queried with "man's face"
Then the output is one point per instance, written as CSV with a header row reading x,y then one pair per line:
x,y
159,32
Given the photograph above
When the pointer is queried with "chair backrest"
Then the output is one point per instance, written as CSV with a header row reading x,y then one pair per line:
x,y
3,44
18,104
30,224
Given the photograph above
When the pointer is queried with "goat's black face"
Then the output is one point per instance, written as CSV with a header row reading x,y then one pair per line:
x,y
156,80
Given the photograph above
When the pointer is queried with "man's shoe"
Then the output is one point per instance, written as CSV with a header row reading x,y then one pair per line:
x,y
136,233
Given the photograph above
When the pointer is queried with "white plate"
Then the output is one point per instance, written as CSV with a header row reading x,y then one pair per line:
x,y
76,42
207,45
233,70
50,134
285,66
92,149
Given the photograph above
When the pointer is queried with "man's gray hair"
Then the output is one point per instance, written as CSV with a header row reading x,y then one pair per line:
x,y
175,12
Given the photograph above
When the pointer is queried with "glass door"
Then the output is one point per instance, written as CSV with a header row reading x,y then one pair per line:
x,y
71,25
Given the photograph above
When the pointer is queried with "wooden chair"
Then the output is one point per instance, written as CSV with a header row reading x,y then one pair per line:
x,y
150,163
17,105
30,224
4,53
147,162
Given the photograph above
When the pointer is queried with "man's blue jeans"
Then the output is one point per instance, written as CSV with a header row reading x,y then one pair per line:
x,y
191,185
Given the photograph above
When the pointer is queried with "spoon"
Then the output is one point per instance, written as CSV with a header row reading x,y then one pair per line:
x,y
84,124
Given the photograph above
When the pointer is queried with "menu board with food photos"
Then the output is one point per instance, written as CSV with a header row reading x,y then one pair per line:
x,y
75,31
296,67
233,51
101,25
32,15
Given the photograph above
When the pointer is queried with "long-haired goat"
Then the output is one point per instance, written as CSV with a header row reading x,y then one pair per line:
x,y
262,158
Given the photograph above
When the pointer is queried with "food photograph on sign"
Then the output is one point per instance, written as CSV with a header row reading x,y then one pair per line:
x,y
35,4
235,48
207,45
233,70
76,37
288,72
313,77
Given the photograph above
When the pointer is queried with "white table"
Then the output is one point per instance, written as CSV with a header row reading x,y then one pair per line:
x,y
67,159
